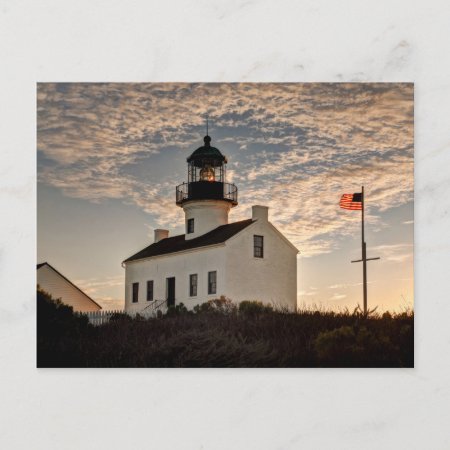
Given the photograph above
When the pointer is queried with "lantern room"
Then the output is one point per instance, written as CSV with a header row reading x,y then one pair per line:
x,y
206,164
206,177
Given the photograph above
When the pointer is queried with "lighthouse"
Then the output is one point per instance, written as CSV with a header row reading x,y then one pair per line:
x,y
245,260
206,198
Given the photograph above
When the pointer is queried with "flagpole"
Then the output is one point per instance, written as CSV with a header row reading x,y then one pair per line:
x,y
346,203
364,260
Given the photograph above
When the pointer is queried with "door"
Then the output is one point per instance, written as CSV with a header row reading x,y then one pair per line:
x,y
170,291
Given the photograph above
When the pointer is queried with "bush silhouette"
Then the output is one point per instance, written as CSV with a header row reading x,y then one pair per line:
x,y
177,310
221,334
59,332
355,345
120,317
220,305
254,308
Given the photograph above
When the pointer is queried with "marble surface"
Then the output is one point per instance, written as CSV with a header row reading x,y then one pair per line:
x,y
396,40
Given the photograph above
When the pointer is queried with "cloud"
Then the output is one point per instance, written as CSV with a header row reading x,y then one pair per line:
x,y
394,252
343,285
306,293
96,288
110,303
92,286
294,147
337,296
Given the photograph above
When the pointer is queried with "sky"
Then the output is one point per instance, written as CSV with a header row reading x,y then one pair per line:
x,y
109,157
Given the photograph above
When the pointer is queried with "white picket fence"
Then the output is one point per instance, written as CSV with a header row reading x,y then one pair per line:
x,y
101,317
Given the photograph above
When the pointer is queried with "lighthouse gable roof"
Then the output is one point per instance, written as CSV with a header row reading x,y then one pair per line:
x,y
179,243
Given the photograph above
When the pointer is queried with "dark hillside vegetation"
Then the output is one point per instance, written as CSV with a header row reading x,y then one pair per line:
x,y
219,334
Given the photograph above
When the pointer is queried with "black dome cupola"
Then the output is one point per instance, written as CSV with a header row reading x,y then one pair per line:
x,y
206,177
207,155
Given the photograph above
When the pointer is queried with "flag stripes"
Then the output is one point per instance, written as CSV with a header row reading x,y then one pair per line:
x,y
351,201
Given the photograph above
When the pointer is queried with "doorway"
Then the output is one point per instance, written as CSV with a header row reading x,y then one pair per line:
x,y
170,291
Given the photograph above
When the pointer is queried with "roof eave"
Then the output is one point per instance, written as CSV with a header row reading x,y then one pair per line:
x,y
188,250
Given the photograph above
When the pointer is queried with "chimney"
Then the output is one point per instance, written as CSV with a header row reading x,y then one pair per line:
x,y
161,234
260,213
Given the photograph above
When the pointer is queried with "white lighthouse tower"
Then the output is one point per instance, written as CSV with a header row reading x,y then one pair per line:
x,y
206,198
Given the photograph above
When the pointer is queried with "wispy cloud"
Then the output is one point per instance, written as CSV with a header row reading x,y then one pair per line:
x,y
93,286
337,296
110,303
294,147
394,252
343,285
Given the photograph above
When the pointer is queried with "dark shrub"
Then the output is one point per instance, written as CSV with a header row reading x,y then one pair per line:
x,y
177,310
354,347
54,318
120,317
59,332
219,336
220,305
254,308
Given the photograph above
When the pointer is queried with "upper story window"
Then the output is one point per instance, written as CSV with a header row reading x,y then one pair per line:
x,y
212,282
193,280
135,296
190,226
258,246
149,290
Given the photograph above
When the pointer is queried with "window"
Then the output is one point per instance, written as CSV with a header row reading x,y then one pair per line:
x,y
190,226
149,290
258,246
135,292
193,285
212,282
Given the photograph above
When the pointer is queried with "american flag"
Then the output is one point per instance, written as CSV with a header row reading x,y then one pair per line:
x,y
351,201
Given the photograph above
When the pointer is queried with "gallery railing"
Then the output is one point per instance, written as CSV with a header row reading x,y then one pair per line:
x,y
206,190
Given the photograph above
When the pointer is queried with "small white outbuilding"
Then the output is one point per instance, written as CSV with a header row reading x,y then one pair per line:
x,y
60,287
245,260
